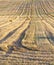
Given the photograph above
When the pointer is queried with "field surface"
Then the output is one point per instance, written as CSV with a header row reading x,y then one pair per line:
x,y
26,32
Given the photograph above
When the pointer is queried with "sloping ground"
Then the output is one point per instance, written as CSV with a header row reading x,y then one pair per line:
x,y
27,32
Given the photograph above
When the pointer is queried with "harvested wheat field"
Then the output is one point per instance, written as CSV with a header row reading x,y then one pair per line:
x,y
26,32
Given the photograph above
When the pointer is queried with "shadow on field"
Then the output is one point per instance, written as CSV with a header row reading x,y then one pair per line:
x,y
10,33
18,43
50,37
